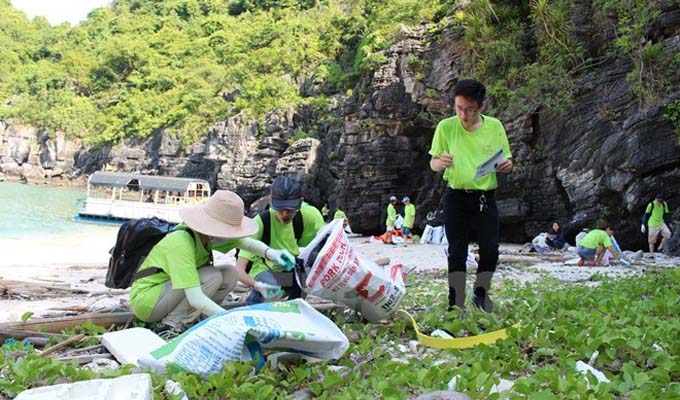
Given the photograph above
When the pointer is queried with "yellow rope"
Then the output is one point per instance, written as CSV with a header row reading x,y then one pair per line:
x,y
458,343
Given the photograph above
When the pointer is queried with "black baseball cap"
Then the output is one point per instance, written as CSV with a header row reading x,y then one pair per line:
x,y
286,193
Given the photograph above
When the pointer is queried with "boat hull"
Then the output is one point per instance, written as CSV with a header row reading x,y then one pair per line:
x,y
117,211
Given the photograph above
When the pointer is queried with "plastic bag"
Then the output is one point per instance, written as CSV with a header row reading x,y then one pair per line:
x,y
335,272
240,334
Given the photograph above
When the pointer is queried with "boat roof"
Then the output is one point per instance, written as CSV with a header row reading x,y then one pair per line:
x,y
146,182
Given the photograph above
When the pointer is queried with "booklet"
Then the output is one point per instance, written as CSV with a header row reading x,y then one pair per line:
x,y
489,165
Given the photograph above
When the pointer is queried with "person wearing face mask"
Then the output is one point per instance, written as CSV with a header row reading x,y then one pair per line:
x,y
287,225
178,281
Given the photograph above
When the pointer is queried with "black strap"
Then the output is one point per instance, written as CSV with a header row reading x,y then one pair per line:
x,y
298,226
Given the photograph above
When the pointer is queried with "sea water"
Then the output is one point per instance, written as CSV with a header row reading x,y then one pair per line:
x,y
30,211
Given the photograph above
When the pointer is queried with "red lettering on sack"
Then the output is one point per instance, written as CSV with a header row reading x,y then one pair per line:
x,y
324,261
363,292
395,270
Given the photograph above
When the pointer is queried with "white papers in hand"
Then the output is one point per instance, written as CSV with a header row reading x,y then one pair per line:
x,y
489,165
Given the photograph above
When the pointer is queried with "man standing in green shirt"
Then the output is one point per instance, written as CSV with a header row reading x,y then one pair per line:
x,y
460,144
592,247
289,225
658,218
177,281
409,219
391,218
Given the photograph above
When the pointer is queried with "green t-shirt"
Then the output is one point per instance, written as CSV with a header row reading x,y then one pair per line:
x,y
339,214
283,237
409,215
469,149
180,257
657,210
596,238
391,215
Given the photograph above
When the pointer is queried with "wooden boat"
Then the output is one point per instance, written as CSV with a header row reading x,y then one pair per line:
x,y
116,197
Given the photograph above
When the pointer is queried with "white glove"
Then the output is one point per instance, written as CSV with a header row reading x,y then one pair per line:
x,y
642,228
269,292
281,257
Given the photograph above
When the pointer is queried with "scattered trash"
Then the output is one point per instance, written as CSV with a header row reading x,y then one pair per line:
x,y
456,343
173,388
240,334
443,395
101,364
128,345
334,272
585,368
128,387
503,386
440,334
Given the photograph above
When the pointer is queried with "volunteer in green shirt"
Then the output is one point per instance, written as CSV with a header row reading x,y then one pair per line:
x,y
657,218
592,247
286,194
460,144
409,219
391,218
188,284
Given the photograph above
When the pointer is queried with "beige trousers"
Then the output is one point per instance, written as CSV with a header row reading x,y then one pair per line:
x,y
174,310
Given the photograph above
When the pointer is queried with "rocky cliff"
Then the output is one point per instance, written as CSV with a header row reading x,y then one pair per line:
x,y
602,159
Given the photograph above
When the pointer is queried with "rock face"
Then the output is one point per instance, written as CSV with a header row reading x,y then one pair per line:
x,y
30,153
603,159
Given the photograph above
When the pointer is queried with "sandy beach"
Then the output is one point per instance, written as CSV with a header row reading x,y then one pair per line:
x,y
65,274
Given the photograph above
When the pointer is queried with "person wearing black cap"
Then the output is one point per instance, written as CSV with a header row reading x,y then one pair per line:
x,y
287,225
657,220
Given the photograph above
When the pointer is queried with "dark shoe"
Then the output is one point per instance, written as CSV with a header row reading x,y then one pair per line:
x,y
483,302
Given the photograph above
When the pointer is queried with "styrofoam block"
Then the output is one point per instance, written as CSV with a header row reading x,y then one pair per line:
x,y
131,344
129,387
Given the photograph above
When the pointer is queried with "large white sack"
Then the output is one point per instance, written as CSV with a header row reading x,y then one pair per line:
x,y
240,334
335,272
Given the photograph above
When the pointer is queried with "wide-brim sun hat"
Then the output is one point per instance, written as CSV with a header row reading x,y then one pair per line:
x,y
220,216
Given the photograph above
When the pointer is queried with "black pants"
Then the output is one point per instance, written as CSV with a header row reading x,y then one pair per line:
x,y
463,216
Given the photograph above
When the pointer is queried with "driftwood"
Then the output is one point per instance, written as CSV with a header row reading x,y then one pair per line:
x,y
24,289
62,344
85,358
23,334
58,324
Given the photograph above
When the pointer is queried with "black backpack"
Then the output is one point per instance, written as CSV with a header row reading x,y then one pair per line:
x,y
135,240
